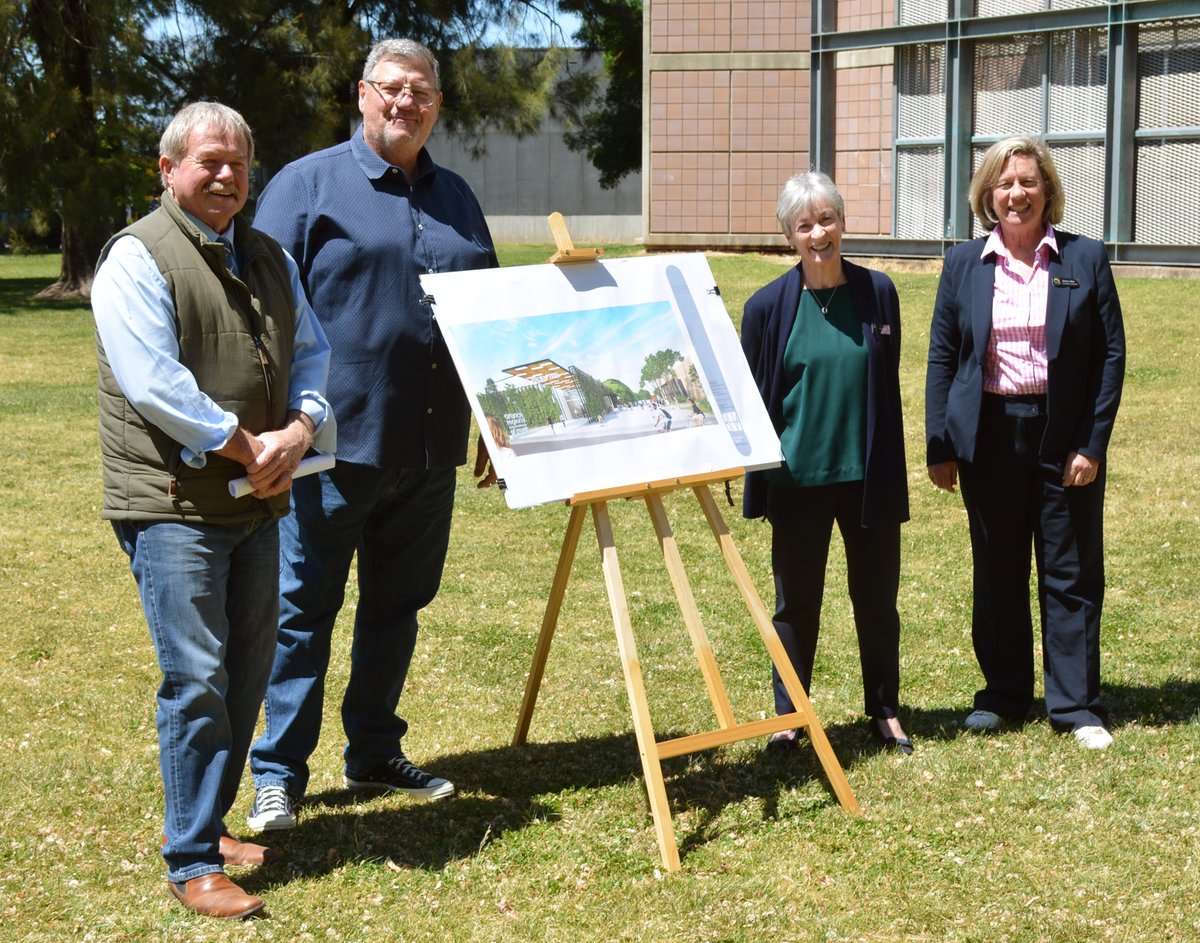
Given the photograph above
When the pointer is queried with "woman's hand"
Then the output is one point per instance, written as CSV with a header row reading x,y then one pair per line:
x,y
944,475
1080,470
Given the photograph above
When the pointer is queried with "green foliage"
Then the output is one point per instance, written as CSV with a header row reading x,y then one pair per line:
x,y
310,56
595,395
502,88
535,404
604,113
73,129
289,68
1019,837
624,394
86,86
659,365
25,235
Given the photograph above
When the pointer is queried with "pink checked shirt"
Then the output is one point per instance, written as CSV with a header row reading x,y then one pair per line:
x,y
1016,352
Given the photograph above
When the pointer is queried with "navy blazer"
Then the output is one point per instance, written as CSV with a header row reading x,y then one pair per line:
x,y
767,325
1085,350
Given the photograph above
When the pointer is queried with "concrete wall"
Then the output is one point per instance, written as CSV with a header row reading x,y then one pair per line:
x,y
520,182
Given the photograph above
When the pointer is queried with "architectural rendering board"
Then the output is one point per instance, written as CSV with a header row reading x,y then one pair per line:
x,y
602,375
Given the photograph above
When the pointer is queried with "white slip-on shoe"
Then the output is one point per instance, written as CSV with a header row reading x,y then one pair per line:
x,y
1093,738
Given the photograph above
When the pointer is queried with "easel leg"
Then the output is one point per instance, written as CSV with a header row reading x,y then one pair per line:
x,y
691,614
558,590
766,629
656,788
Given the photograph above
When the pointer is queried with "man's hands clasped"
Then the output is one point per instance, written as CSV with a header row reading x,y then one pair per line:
x,y
271,458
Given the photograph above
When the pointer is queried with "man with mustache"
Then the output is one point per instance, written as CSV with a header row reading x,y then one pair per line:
x,y
364,220
212,366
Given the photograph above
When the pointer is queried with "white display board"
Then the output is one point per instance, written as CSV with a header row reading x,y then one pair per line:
x,y
601,375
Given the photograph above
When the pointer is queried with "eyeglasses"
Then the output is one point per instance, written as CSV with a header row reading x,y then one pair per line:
x,y
421,95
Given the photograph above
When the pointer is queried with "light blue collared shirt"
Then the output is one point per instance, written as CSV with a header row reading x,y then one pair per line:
x,y
135,318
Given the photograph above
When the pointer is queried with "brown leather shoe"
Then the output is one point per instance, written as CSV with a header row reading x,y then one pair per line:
x,y
243,853
214,895
246,853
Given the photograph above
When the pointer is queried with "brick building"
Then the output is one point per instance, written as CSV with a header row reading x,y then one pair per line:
x,y
897,99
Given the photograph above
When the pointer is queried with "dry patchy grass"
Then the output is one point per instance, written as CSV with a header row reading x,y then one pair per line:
x,y
1016,837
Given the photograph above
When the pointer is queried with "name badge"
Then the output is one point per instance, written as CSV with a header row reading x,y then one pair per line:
x,y
1065,282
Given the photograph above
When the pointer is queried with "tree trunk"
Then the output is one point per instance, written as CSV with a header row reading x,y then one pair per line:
x,y
80,249
67,37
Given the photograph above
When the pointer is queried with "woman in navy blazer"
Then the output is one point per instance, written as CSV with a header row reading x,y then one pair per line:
x,y
823,344
1026,362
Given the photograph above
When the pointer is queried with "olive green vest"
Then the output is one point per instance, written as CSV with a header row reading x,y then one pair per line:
x,y
236,336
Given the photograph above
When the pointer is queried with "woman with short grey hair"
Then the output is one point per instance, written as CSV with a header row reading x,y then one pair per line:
x,y
823,343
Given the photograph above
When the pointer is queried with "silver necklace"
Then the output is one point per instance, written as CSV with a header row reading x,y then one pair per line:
x,y
828,301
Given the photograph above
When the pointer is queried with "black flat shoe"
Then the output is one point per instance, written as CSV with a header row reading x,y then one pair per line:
x,y
901,745
784,743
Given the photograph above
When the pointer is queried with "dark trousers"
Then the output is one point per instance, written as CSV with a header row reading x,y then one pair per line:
x,y
801,526
1015,498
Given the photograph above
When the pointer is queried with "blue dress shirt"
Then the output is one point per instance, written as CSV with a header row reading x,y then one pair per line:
x,y
362,237
135,318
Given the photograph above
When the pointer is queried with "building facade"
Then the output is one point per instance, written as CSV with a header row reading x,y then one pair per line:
x,y
898,99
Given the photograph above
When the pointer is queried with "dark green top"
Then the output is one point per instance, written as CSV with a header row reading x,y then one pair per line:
x,y
825,406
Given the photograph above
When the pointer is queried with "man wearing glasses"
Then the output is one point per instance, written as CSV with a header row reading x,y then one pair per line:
x,y
363,220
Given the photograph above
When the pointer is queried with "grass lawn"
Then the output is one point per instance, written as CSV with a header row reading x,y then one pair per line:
x,y
1015,837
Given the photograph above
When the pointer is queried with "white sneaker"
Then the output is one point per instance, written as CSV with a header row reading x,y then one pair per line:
x,y
1093,738
272,809
980,721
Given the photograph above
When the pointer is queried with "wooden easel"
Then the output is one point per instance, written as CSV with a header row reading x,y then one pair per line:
x,y
566,248
651,750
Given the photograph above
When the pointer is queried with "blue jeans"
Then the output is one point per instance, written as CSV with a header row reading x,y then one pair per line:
x,y
398,521
210,595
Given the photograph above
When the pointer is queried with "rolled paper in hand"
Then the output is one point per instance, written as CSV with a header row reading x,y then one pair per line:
x,y
240,487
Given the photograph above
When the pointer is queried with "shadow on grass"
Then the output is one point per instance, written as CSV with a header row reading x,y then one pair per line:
x,y
17,297
936,723
512,788
1175,701
506,789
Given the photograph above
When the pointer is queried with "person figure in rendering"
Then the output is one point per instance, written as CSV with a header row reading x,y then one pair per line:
x,y
662,418
364,220
823,344
212,366
1026,365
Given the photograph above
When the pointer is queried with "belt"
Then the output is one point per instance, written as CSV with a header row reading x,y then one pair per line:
x,y
1019,405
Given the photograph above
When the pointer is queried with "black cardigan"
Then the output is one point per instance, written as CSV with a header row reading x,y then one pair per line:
x,y
767,324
